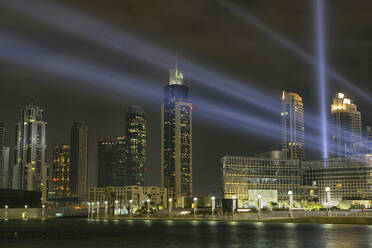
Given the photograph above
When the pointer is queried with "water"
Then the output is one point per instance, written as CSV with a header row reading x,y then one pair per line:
x,y
82,233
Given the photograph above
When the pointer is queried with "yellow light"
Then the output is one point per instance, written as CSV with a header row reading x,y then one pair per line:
x,y
341,95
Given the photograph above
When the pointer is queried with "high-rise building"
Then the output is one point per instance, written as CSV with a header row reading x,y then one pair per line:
x,y
136,133
79,160
369,133
293,128
113,168
61,171
347,126
4,160
30,169
176,140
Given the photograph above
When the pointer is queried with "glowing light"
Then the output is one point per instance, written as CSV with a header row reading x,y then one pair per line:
x,y
341,95
347,101
289,45
319,17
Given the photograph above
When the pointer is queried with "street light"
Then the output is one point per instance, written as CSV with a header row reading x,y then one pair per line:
x,y
328,198
170,207
259,205
43,211
290,194
6,212
88,203
195,205
130,207
106,208
213,204
116,207
233,204
148,207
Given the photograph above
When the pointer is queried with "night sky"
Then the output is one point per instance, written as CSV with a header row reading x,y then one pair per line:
x,y
206,33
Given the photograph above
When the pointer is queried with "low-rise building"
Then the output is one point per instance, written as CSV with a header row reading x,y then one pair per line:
x,y
122,195
347,180
244,178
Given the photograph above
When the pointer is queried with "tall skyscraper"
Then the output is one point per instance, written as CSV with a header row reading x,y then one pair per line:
x,y
79,160
30,169
136,133
369,133
4,160
61,171
347,126
176,140
113,168
293,128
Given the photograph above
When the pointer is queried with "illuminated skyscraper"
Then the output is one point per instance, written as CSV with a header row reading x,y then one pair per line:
x,y
369,133
113,169
136,133
347,126
61,171
293,129
79,160
30,169
4,160
176,140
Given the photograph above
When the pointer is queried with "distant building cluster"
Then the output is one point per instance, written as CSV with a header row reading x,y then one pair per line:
x,y
274,176
278,175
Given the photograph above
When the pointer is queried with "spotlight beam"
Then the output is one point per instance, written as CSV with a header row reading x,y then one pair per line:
x,y
124,43
34,57
289,45
319,17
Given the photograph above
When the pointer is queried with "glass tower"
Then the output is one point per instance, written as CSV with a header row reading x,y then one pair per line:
x,y
79,160
136,133
61,171
113,169
176,140
4,160
30,169
347,126
293,129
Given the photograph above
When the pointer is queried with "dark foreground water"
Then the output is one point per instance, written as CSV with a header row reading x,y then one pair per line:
x,y
81,233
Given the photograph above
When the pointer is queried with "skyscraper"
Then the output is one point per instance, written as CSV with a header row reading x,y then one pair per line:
x,y
347,126
176,140
61,171
113,168
30,168
136,133
369,133
79,160
293,128
4,160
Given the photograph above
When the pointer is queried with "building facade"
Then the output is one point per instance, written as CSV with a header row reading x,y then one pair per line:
x,y
113,168
176,140
30,170
244,178
347,126
4,160
61,183
347,179
136,134
293,128
79,160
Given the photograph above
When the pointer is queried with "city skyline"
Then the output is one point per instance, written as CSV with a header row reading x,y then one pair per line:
x,y
103,114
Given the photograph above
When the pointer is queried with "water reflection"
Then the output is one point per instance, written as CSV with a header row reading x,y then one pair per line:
x,y
179,234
